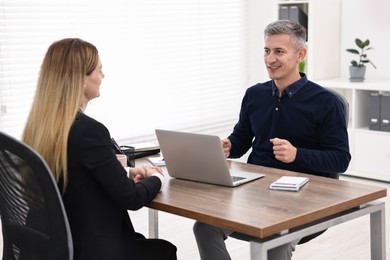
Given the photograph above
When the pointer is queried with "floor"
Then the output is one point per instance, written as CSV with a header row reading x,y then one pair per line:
x,y
346,241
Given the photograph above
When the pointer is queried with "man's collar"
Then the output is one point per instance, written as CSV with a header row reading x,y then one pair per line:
x,y
292,88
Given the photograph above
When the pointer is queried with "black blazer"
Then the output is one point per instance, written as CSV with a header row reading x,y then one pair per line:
x,y
99,193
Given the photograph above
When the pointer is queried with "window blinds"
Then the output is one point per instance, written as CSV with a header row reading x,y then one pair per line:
x,y
168,64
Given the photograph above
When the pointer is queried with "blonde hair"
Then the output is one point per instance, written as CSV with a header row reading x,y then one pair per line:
x,y
57,101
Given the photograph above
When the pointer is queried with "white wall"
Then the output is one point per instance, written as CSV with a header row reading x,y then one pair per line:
x,y
366,19
260,14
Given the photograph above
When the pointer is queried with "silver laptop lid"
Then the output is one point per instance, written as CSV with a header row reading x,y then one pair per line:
x,y
195,157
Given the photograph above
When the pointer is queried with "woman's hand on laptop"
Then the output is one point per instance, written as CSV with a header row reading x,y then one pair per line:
x,y
226,146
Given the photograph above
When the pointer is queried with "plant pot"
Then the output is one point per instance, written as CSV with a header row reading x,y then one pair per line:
x,y
357,73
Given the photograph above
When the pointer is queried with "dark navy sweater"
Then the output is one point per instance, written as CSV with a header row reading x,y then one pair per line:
x,y
307,115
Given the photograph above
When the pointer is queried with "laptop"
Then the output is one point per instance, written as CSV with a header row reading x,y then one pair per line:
x,y
199,157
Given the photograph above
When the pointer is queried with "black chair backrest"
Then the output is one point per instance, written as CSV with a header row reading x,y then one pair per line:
x,y
33,217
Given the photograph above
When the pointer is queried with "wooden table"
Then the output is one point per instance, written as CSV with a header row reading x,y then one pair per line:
x,y
274,217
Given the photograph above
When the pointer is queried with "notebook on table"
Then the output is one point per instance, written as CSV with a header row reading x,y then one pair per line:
x,y
291,183
199,157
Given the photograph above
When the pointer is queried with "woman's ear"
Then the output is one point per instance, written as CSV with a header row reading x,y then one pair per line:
x,y
85,82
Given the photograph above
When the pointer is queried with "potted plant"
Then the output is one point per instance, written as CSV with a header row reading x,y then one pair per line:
x,y
357,69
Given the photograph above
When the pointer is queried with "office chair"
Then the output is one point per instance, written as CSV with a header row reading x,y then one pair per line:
x,y
33,218
345,104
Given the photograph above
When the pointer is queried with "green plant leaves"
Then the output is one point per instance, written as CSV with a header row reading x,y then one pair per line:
x,y
353,51
363,45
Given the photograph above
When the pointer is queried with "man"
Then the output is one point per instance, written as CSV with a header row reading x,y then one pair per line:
x,y
289,122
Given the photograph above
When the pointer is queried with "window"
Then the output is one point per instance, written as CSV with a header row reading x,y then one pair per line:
x,y
175,64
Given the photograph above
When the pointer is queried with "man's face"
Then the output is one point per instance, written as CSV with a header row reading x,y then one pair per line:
x,y
281,58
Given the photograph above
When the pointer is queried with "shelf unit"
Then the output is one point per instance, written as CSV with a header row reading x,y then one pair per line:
x,y
370,149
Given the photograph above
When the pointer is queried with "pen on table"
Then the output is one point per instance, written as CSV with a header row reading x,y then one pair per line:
x,y
121,151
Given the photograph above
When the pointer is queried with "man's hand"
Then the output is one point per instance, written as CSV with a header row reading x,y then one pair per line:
x,y
284,151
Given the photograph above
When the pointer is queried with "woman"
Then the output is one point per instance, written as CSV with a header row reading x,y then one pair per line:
x,y
96,190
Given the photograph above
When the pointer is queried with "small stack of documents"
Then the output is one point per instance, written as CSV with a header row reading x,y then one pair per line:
x,y
157,161
290,183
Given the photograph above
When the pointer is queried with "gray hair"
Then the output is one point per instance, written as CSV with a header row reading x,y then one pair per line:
x,y
296,31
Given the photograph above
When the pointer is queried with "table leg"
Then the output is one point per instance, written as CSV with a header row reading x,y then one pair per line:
x,y
377,234
259,248
257,251
153,223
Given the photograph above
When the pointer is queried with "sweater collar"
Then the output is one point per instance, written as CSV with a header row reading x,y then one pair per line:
x,y
292,88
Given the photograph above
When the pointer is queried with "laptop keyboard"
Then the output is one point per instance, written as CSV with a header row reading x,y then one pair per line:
x,y
237,178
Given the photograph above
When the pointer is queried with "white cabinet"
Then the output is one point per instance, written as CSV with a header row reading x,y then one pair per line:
x,y
371,155
370,149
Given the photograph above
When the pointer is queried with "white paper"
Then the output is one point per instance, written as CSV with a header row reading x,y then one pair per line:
x,y
157,161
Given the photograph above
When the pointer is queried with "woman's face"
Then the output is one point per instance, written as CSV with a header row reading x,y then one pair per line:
x,y
92,83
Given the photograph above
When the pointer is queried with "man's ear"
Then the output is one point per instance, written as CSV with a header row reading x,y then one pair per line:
x,y
301,54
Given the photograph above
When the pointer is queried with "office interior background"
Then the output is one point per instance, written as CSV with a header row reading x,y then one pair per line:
x,y
174,64
171,64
